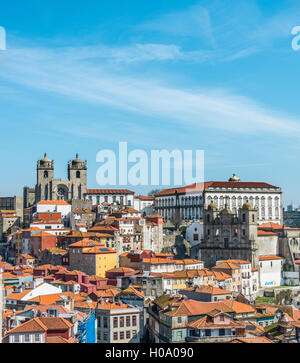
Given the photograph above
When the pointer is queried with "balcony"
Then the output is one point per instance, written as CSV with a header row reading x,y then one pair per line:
x,y
211,339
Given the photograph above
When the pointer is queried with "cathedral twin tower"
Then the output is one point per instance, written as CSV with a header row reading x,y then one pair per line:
x,y
48,188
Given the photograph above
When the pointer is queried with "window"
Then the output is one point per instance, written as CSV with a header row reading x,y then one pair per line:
x,y
134,332
128,334
222,332
45,174
37,337
121,335
134,320
127,320
17,338
207,332
226,242
115,322
179,320
104,322
78,174
27,338
122,322
115,336
105,337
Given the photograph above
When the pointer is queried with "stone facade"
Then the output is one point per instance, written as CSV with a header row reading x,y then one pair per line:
x,y
190,201
48,188
229,236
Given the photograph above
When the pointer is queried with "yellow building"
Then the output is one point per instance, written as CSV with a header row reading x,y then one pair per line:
x,y
91,257
175,281
105,259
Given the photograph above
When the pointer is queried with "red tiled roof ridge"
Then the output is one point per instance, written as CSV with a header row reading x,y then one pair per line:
x,y
215,184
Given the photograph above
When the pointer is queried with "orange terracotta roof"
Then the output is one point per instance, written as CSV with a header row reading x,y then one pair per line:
x,y
30,326
238,307
53,202
254,340
204,289
227,265
143,197
86,243
17,295
192,307
59,340
219,275
262,233
98,250
111,306
28,257
122,269
269,258
187,262
154,261
239,262
206,322
199,187
270,225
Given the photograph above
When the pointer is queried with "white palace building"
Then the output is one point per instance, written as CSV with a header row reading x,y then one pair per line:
x,y
191,200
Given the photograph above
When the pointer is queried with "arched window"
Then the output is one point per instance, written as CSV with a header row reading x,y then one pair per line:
x,y
46,174
78,174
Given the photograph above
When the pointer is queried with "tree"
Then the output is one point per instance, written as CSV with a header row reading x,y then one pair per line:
x,y
153,192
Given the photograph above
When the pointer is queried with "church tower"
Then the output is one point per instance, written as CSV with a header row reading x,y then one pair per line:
x,y
77,175
248,221
45,176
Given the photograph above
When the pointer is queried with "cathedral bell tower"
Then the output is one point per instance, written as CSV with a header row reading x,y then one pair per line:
x,y
77,175
45,176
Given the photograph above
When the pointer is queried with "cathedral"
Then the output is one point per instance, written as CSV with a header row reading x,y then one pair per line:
x,y
229,236
49,188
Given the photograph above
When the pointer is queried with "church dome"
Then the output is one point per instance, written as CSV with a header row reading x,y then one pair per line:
x,y
76,161
234,178
45,162
247,206
212,205
45,159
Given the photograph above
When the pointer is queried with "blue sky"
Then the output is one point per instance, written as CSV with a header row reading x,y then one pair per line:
x,y
212,75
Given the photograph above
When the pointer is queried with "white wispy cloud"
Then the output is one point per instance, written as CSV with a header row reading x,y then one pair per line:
x,y
192,22
59,72
228,31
